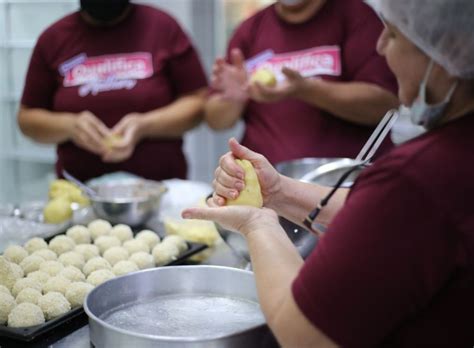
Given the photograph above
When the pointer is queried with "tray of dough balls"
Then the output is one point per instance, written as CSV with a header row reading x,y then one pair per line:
x,y
43,283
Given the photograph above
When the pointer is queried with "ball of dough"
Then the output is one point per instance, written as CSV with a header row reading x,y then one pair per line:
x,y
80,234
57,210
53,305
29,295
124,267
77,292
116,254
165,253
15,253
25,315
51,267
8,276
99,228
95,264
40,276
62,244
31,263
149,237
98,277
122,232
72,258
72,273
24,283
57,284
106,242
35,244
143,260
179,241
46,254
7,303
135,245
4,289
17,270
89,251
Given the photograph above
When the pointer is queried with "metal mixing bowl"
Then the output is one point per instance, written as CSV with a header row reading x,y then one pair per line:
x,y
127,201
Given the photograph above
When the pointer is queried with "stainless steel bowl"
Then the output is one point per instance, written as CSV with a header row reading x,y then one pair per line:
x,y
127,201
187,306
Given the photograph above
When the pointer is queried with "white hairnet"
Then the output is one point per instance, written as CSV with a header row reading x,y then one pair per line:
x,y
443,29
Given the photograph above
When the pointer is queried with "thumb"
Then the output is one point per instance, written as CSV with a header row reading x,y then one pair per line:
x,y
200,213
237,58
242,152
291,74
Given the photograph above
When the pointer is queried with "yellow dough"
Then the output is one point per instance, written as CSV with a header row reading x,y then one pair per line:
x,y
265,77
68,190
111,141
251,194
57,210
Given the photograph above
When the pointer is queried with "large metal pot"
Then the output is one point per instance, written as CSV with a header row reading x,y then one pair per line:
x,y
187,306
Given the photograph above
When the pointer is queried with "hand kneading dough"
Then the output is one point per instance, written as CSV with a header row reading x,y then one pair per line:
x,y
52,267
76,293
106,242
35,244
80,234
46,254
143,260
24,315
53,305
149,237
99,228
24,283
122,232
165,253
72,273
116,254
62,244
56,284
98,277
124,267
15,253
89,251
72,258
7,303
31,263
251,194
136,245
29,295
95,264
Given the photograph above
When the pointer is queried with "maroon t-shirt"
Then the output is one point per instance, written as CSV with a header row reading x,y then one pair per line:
x,y
292,129
144,63
396,266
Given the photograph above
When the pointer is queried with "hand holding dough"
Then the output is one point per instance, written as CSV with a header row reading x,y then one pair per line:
x,y
251,194
265,77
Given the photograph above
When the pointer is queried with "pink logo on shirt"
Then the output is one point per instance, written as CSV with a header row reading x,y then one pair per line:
x,y
315,61
106,73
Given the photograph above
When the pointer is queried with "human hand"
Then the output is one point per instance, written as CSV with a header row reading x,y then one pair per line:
x,y
88,132
293,83
230,177
231,79
130,132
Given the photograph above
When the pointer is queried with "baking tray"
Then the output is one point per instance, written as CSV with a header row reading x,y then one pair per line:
x,y
33,333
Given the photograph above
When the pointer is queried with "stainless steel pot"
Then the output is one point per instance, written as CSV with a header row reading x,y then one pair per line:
x,y
183,306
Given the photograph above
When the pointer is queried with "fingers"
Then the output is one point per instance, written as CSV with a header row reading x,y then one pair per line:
x,y
237,58
243,152
199,213
291,74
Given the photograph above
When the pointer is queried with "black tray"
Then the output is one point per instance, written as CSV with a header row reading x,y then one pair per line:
x,y
32,333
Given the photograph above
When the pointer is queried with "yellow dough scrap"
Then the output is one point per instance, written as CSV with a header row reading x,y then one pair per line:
x,y
57,210
265,77
251,194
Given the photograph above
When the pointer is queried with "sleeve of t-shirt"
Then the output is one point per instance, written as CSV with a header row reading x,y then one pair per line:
x,y
362,62
40,82
185,68
380,261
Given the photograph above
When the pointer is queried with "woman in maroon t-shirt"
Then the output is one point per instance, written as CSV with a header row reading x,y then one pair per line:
x,y
115,85
396,265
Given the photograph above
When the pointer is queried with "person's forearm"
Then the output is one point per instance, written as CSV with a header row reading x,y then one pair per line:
x,y
357,102
173,120
45,126
296,199
223,113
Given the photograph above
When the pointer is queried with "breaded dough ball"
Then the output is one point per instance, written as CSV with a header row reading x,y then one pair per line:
x,y
7,303
98,277
99,228
46,254
89,251
15,253
179,241
35,244
80,234
106,242
62,244
31,263
56,284
165,253
72,273
72,258
53,305
4,289
143,260
95,264
17,270
124,267
40,276
116,254
24,283
8,276
25,315
52,267
133,246
29,295
77,292
122,232
149,237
